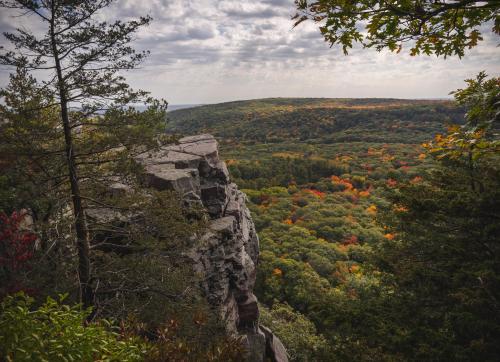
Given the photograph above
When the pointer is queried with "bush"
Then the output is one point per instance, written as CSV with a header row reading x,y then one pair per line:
x,y
58,332
16,252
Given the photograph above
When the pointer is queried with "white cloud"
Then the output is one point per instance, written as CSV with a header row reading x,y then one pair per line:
x,y
205,51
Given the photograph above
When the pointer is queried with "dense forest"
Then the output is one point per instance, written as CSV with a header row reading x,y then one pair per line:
x,y
337,189
322,120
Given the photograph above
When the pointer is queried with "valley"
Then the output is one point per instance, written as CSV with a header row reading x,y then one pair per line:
x,y
317,173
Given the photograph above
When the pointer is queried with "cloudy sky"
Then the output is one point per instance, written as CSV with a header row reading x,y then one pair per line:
x,y
208,51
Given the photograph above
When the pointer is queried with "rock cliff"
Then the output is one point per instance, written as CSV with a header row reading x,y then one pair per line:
x,y
228,254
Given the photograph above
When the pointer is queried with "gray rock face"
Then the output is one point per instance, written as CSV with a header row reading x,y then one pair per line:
x,y
275,350
228,253
166,177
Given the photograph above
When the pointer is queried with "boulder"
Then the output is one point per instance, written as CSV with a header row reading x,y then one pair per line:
x,y
163,177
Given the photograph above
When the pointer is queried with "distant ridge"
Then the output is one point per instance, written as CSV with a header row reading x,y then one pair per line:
x,y
171,107
324,120
174,107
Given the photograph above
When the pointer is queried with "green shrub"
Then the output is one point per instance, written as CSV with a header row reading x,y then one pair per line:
x,y
58,332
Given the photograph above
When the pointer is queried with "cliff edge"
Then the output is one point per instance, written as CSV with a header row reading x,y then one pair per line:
x,y
228,253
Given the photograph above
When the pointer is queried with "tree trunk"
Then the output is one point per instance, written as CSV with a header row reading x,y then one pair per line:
x,y
82,235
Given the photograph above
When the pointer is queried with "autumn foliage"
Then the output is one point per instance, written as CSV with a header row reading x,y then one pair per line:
x,y
16,251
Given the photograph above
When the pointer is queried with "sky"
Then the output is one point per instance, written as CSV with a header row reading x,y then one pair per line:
x,y
211,51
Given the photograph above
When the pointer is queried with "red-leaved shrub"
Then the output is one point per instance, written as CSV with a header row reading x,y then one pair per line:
x,y
16,252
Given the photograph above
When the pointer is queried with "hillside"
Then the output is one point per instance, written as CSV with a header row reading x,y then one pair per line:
x,y
318,174
323,120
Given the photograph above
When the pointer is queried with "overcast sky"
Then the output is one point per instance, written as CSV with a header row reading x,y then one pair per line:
x,y
209,51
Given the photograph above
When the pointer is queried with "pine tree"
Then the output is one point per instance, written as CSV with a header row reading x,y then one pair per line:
x,y
445,258
80,59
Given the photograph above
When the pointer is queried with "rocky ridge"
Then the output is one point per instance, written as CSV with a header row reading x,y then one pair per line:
x,y
228,254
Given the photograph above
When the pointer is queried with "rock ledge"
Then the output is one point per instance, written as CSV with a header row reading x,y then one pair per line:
x,y
228,255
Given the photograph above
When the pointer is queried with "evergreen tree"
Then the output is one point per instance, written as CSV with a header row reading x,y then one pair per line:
x,y
80,58
445,261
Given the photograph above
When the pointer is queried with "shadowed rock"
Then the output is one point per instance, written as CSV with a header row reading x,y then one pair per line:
x,y
275,351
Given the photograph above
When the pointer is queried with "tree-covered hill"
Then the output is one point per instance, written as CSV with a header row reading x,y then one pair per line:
x,y
324,120
325,179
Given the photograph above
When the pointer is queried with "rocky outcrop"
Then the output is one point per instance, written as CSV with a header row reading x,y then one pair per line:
x,y
228,253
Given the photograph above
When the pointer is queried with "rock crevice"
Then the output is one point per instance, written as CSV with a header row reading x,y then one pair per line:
x,y
228,253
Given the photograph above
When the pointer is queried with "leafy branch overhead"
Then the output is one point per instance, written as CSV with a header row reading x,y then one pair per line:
x,y
443,28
